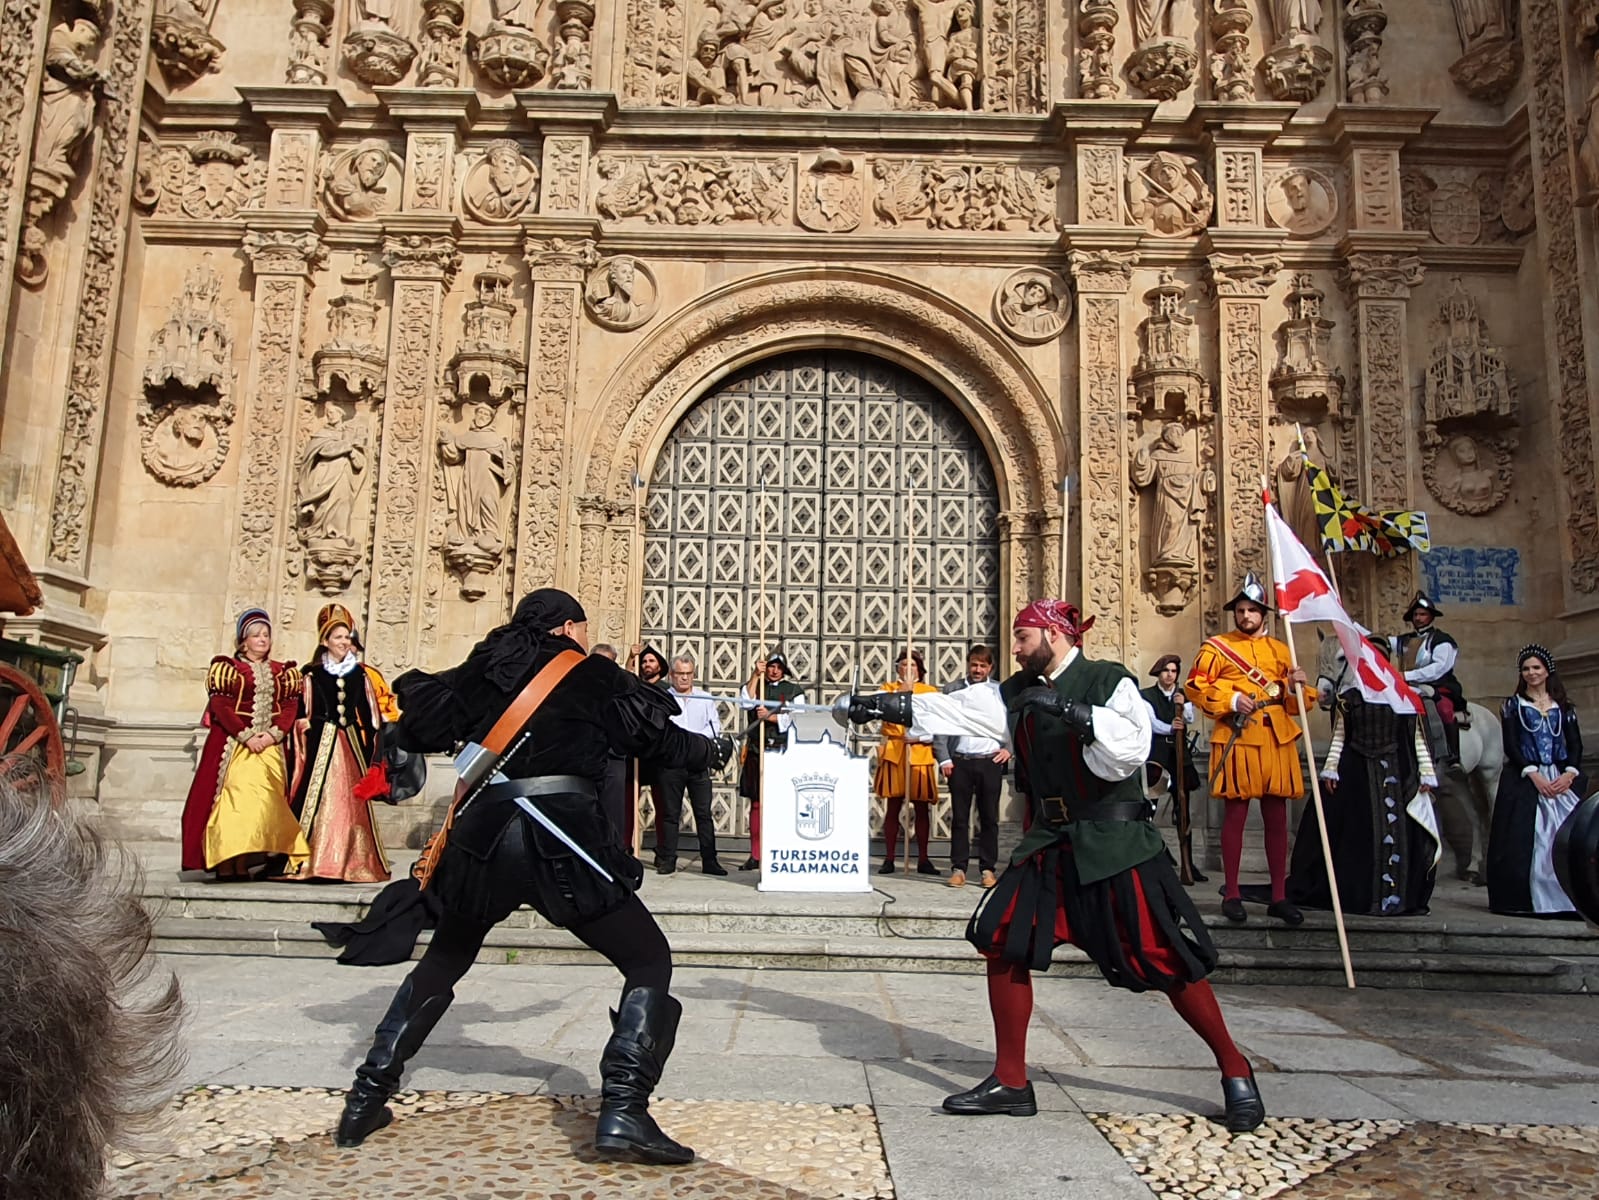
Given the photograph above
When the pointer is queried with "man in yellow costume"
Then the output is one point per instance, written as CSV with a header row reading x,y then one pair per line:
x,y
899,745
1244,681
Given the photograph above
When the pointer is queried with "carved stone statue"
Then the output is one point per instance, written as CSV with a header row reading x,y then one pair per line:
x,y
572,68
1151,19
1491,61
1294,490
328,481
501,185
477,471
375,53
1033,305
1180,490
1481,21
357,183
67,100
1168,196
180,39
370,13
1297,65
1295,18
965,57
935,18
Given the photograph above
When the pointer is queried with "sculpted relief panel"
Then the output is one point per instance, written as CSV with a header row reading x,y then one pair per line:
x,y
185,411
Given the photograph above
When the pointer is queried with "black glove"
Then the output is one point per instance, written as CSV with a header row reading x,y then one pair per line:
x,y
721,751
1078,716
894,707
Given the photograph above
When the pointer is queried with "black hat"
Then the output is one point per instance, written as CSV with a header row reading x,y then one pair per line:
x,y
1253,590
776,656
1422,602
1536,651
1164,661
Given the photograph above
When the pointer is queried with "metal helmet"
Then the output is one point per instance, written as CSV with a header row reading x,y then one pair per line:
x,y
1253,590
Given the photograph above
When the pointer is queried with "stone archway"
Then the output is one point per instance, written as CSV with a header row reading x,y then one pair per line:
x,y
870,312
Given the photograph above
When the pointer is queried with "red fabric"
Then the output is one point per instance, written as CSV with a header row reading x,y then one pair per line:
x,y
1010,1002
1446,707
891,829
755,830
1196,1004
1274,815
374,785
1232,845
1053,614
1157,948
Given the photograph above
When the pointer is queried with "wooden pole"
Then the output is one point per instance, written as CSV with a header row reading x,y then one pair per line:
x,y
760,684
907,805
636,631
1065,530
1315,790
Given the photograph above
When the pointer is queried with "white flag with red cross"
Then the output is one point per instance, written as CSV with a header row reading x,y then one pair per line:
x,y
1304,593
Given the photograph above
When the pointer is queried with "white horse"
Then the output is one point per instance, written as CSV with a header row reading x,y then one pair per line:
x,y
1470,789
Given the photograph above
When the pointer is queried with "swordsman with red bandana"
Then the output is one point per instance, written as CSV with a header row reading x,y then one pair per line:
x,y
1092,869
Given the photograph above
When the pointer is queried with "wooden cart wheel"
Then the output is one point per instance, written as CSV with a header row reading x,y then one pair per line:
x,y
30,739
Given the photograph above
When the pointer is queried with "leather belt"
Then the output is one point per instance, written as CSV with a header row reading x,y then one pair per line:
x,y
1058,812
542,785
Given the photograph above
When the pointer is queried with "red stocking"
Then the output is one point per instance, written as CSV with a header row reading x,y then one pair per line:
x,y
1010,1000
1196,1004
923,825
755,830
1232,844
891,829
1274,815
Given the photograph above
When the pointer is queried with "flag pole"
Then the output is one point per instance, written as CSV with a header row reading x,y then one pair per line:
x,y
760,684
1315,780
635,624
1065,529
907,810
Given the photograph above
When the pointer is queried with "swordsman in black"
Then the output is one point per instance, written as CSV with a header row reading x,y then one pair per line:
x,y
1092,869
1427,655
500,855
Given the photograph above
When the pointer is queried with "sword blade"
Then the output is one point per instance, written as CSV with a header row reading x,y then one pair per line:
x,y
533,811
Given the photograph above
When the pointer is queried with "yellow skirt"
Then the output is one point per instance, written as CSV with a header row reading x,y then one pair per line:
x,y
252,815
1252,771
890,781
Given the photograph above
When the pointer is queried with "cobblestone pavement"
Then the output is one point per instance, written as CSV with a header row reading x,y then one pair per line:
x,y
805,1085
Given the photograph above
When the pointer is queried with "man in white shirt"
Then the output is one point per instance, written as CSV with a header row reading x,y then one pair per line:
x,y
697,714
975,768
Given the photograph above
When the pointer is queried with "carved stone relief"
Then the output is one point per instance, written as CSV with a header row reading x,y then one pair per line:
x,y
373,51
1099,185
502,185
148,178
959,194
694,191
1168,467
443,44
564,159
1161,66
213,178
19,22
1306,385
509,52
1096,62
489,364
180,39
1469,405
68,98
1033,305
1167,195
572,66
1240,188
832,193
1462,207
1491,63
363,182
1303,201
478,467
352,363
1232,70
328,480
1517,208
1298,64
620,293
1165,381
309,32
185,410
1364,23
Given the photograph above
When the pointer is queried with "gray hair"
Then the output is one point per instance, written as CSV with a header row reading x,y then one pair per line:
x,y
686,660
604,649
88,1032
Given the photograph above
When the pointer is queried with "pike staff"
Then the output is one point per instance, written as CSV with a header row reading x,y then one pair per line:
x,y
760,684
907,810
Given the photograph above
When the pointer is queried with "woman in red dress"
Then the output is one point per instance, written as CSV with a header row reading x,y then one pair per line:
x,y
237,814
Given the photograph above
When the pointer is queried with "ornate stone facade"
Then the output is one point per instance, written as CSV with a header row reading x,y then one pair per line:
x,y
406,312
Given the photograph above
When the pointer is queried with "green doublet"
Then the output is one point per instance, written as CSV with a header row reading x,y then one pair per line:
x,y
1052,763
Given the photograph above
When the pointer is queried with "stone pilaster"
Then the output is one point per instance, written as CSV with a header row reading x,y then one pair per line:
x,y
282,260
557,269
24,25
568,122
422,260
434,118
302,117
1103,277
1241,283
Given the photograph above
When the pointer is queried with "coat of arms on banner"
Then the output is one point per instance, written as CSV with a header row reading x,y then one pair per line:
x,y
813,806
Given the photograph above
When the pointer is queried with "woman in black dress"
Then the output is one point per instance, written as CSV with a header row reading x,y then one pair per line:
x,y
498,857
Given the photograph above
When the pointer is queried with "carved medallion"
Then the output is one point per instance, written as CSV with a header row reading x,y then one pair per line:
x,y
224,179
620,293
1455,214
1516,207
1302,201
1033,305
185,409
1469,474
831,195
1168,195
502,185
362,182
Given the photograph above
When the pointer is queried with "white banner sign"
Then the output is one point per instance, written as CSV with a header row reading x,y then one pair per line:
x,y
815,819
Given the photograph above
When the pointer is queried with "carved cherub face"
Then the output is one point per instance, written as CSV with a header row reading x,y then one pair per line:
x,y
370,167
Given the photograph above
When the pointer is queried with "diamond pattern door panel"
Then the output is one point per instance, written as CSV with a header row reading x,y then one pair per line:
x,y
864,467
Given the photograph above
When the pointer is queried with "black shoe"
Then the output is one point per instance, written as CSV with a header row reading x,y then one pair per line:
x,y
1199,877
644,1028
751,864
992,1097
1233,909
887,868
399,1035
1285,911
665,868
1245,1109
926,868
712,867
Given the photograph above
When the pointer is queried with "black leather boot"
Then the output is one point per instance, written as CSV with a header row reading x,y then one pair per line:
x,y
1245,1109
399,1035
644,1029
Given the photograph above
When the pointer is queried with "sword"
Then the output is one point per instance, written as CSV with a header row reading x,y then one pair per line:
x,y
565,839
1238,728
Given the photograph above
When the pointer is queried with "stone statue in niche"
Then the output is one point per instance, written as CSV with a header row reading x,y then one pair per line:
x,y
1162,66
180,39
502,184
1294,491
477,470
1033,305
361,183
67,99
1168,196
1297,65
1295,18
374,52
327,483
620,293
1181,491
185,409
1491,62
1302,201
965,59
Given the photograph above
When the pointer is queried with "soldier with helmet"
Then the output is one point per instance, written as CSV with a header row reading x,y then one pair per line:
x,y
1427,656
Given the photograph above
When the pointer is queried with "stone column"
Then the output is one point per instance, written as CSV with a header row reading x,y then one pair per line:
x,y
568,122
283,260
302,117
422,260
557,269
1103,277
434,118
24,25
1241,282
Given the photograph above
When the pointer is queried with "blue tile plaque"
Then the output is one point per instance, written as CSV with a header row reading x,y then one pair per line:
x,y
1473,575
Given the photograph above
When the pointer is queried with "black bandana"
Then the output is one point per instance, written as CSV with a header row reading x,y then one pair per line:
x,y
505,655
